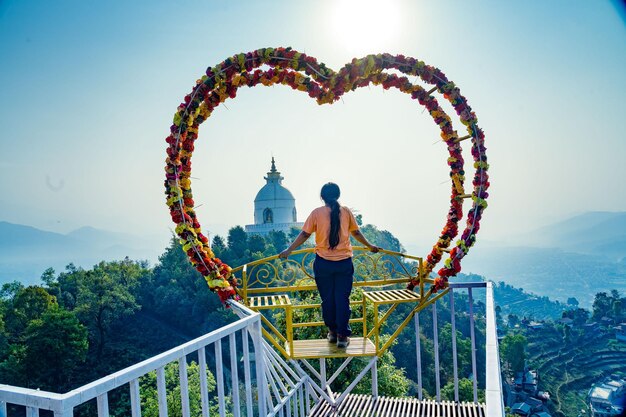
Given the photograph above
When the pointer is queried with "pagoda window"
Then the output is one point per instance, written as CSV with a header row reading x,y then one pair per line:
x,y
268,216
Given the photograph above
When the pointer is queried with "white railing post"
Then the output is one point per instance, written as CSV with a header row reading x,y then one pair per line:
x,y
473,340
3,409
103,405
219,370
257,342
418,353
493,387
375,378
454,353
184,386
135,400
436,349
161,391
234,375
246,371
204,391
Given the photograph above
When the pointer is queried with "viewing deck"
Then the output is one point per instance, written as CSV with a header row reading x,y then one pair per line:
x,y
273,285
253,379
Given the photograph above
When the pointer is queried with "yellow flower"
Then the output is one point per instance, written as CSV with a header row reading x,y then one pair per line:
x,y
241,58
458,185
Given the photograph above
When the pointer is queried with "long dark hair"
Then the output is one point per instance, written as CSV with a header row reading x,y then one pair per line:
x,y
330,194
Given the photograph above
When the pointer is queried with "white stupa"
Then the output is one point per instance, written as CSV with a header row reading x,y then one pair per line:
x,y
274,206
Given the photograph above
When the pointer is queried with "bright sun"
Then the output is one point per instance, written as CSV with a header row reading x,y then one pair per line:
x,y
365,26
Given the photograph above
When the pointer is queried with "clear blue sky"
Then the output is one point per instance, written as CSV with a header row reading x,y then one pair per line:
x,y
89,89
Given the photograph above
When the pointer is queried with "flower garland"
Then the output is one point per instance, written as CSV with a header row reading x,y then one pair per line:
x,y
304,73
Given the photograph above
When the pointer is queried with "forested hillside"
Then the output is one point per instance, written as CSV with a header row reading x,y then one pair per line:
x,y
570,354
81,324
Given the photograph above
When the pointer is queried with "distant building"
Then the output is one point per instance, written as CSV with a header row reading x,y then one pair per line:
x,y
274,206
521,409
608,398
535,325
606,321
527,381
591,327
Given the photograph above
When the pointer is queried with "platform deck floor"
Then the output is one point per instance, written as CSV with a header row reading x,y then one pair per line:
x,y
320,348
367,406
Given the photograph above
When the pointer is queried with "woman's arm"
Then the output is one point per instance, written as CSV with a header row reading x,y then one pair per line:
x,y
300,239
359,236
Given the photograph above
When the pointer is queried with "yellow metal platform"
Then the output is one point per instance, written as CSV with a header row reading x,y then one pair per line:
x,y
320,348
391,296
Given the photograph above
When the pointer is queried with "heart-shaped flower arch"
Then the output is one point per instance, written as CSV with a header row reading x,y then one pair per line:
x,y
303,73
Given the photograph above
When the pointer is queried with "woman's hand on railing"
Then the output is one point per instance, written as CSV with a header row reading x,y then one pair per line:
x,y
284,254
375,249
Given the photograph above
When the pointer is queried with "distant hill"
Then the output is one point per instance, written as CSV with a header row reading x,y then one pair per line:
x,y
577,257
518,301
596,233
25,252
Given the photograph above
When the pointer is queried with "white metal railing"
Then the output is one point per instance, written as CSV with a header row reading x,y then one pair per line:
x,y
493,383
272,387
493,390
207,348
288,391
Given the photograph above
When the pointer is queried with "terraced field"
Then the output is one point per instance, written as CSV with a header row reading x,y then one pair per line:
x,y
567,371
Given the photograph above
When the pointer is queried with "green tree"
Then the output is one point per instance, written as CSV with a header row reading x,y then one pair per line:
x,y
105,295
382,238
55,346
499,320
578,315
278,239
464,353
602,305
572,301
149,397
466,391
617,309
48,277
237,241
178,295
4,337
218,245
293,233
27,304
513,351
9,289
256,243
513,320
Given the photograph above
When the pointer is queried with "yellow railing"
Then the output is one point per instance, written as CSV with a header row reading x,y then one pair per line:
x,y
271,284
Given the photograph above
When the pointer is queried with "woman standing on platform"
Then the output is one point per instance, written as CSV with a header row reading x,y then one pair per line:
x,y
332,224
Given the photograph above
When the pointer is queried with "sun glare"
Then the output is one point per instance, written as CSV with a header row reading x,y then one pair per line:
x,y
365,26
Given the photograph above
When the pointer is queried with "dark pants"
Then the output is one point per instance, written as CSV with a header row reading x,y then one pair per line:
x,y
334,282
